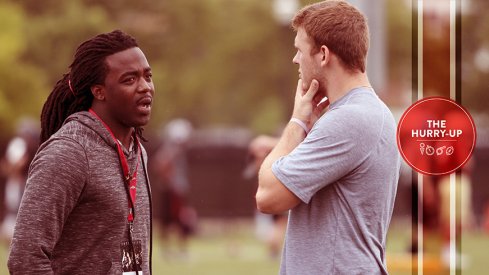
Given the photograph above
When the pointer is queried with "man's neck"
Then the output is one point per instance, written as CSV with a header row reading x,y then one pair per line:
x,y
127,139
120,132
345,82
129,147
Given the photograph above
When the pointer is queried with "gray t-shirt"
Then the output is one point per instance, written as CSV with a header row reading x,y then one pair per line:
x,y
346,173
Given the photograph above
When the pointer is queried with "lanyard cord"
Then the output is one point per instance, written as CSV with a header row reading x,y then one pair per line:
x,y
130,182
129,231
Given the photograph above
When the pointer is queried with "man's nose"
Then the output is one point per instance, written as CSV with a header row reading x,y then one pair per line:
x,y
144,85
295,59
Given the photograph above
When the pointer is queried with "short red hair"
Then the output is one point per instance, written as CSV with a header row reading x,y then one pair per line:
x,y
340,27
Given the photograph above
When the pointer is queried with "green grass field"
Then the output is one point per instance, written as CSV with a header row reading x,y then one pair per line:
x,y
231,248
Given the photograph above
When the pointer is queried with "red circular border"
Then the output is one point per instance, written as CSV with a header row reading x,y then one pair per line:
x,y
423,101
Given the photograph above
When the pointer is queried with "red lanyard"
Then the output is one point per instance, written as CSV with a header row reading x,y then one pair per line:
x,y
130,180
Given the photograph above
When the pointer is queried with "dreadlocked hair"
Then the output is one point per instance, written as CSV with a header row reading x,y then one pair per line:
x,y
72,93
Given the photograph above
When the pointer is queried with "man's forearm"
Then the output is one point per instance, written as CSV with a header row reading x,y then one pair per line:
x,y
292,136
272,196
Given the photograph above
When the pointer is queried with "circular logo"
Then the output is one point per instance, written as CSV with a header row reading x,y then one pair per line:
x,y
436,136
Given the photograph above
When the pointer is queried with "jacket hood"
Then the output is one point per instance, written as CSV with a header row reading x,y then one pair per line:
x,y
88,120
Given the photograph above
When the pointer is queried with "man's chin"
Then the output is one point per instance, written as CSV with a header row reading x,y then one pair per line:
x,y
141,122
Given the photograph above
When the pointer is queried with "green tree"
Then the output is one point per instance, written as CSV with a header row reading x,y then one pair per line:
x,y
53,34
223,62
37,43
21,85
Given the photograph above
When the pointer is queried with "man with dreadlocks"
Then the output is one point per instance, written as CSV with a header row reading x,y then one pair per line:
x,y
87,205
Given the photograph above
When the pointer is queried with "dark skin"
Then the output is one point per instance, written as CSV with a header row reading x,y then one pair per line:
x,y
124,101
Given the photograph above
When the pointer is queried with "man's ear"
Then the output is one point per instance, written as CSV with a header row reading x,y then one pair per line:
x,y
325,55
98,92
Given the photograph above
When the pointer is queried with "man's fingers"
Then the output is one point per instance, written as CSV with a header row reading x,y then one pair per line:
x,y
299,90
313,88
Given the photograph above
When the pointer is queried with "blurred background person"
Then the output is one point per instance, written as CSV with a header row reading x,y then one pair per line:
x,y
268,228
171,172
14,167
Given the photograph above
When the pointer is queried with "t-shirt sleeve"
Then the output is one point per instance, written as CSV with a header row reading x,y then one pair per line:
x,y
337,144
56,179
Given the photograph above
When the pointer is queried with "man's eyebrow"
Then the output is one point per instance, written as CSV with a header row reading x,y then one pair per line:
x,y
135,72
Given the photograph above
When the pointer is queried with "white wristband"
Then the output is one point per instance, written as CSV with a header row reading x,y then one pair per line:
x,y
300,123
